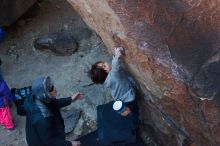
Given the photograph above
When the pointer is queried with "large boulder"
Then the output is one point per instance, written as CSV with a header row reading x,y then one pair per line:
x,y
172,49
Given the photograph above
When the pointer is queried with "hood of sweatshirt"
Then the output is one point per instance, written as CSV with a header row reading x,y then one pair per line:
x,y
41,88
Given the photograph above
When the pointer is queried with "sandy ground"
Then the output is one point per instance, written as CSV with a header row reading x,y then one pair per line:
x,y
22,63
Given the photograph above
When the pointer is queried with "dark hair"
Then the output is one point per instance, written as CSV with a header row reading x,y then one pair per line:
x,y
97,74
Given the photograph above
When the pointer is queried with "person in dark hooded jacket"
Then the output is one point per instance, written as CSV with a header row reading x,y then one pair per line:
x,y
44,124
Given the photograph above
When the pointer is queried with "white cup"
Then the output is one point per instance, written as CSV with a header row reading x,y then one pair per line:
x,y
119,107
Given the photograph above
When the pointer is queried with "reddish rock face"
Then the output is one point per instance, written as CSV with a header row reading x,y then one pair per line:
x,y
172,49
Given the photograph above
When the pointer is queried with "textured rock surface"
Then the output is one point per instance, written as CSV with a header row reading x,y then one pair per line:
x,y
10,10
70,117
59,43
172,48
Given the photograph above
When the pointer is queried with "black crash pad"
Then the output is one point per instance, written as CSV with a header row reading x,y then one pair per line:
x,y
114,128
92,139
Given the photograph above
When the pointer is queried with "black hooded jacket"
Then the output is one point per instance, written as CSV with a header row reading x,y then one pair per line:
x,y
44,130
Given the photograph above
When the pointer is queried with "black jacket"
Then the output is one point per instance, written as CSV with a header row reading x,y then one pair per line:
x,y
45,131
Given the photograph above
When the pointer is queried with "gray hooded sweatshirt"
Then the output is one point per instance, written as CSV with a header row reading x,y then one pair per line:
x,y
40,89
122,85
